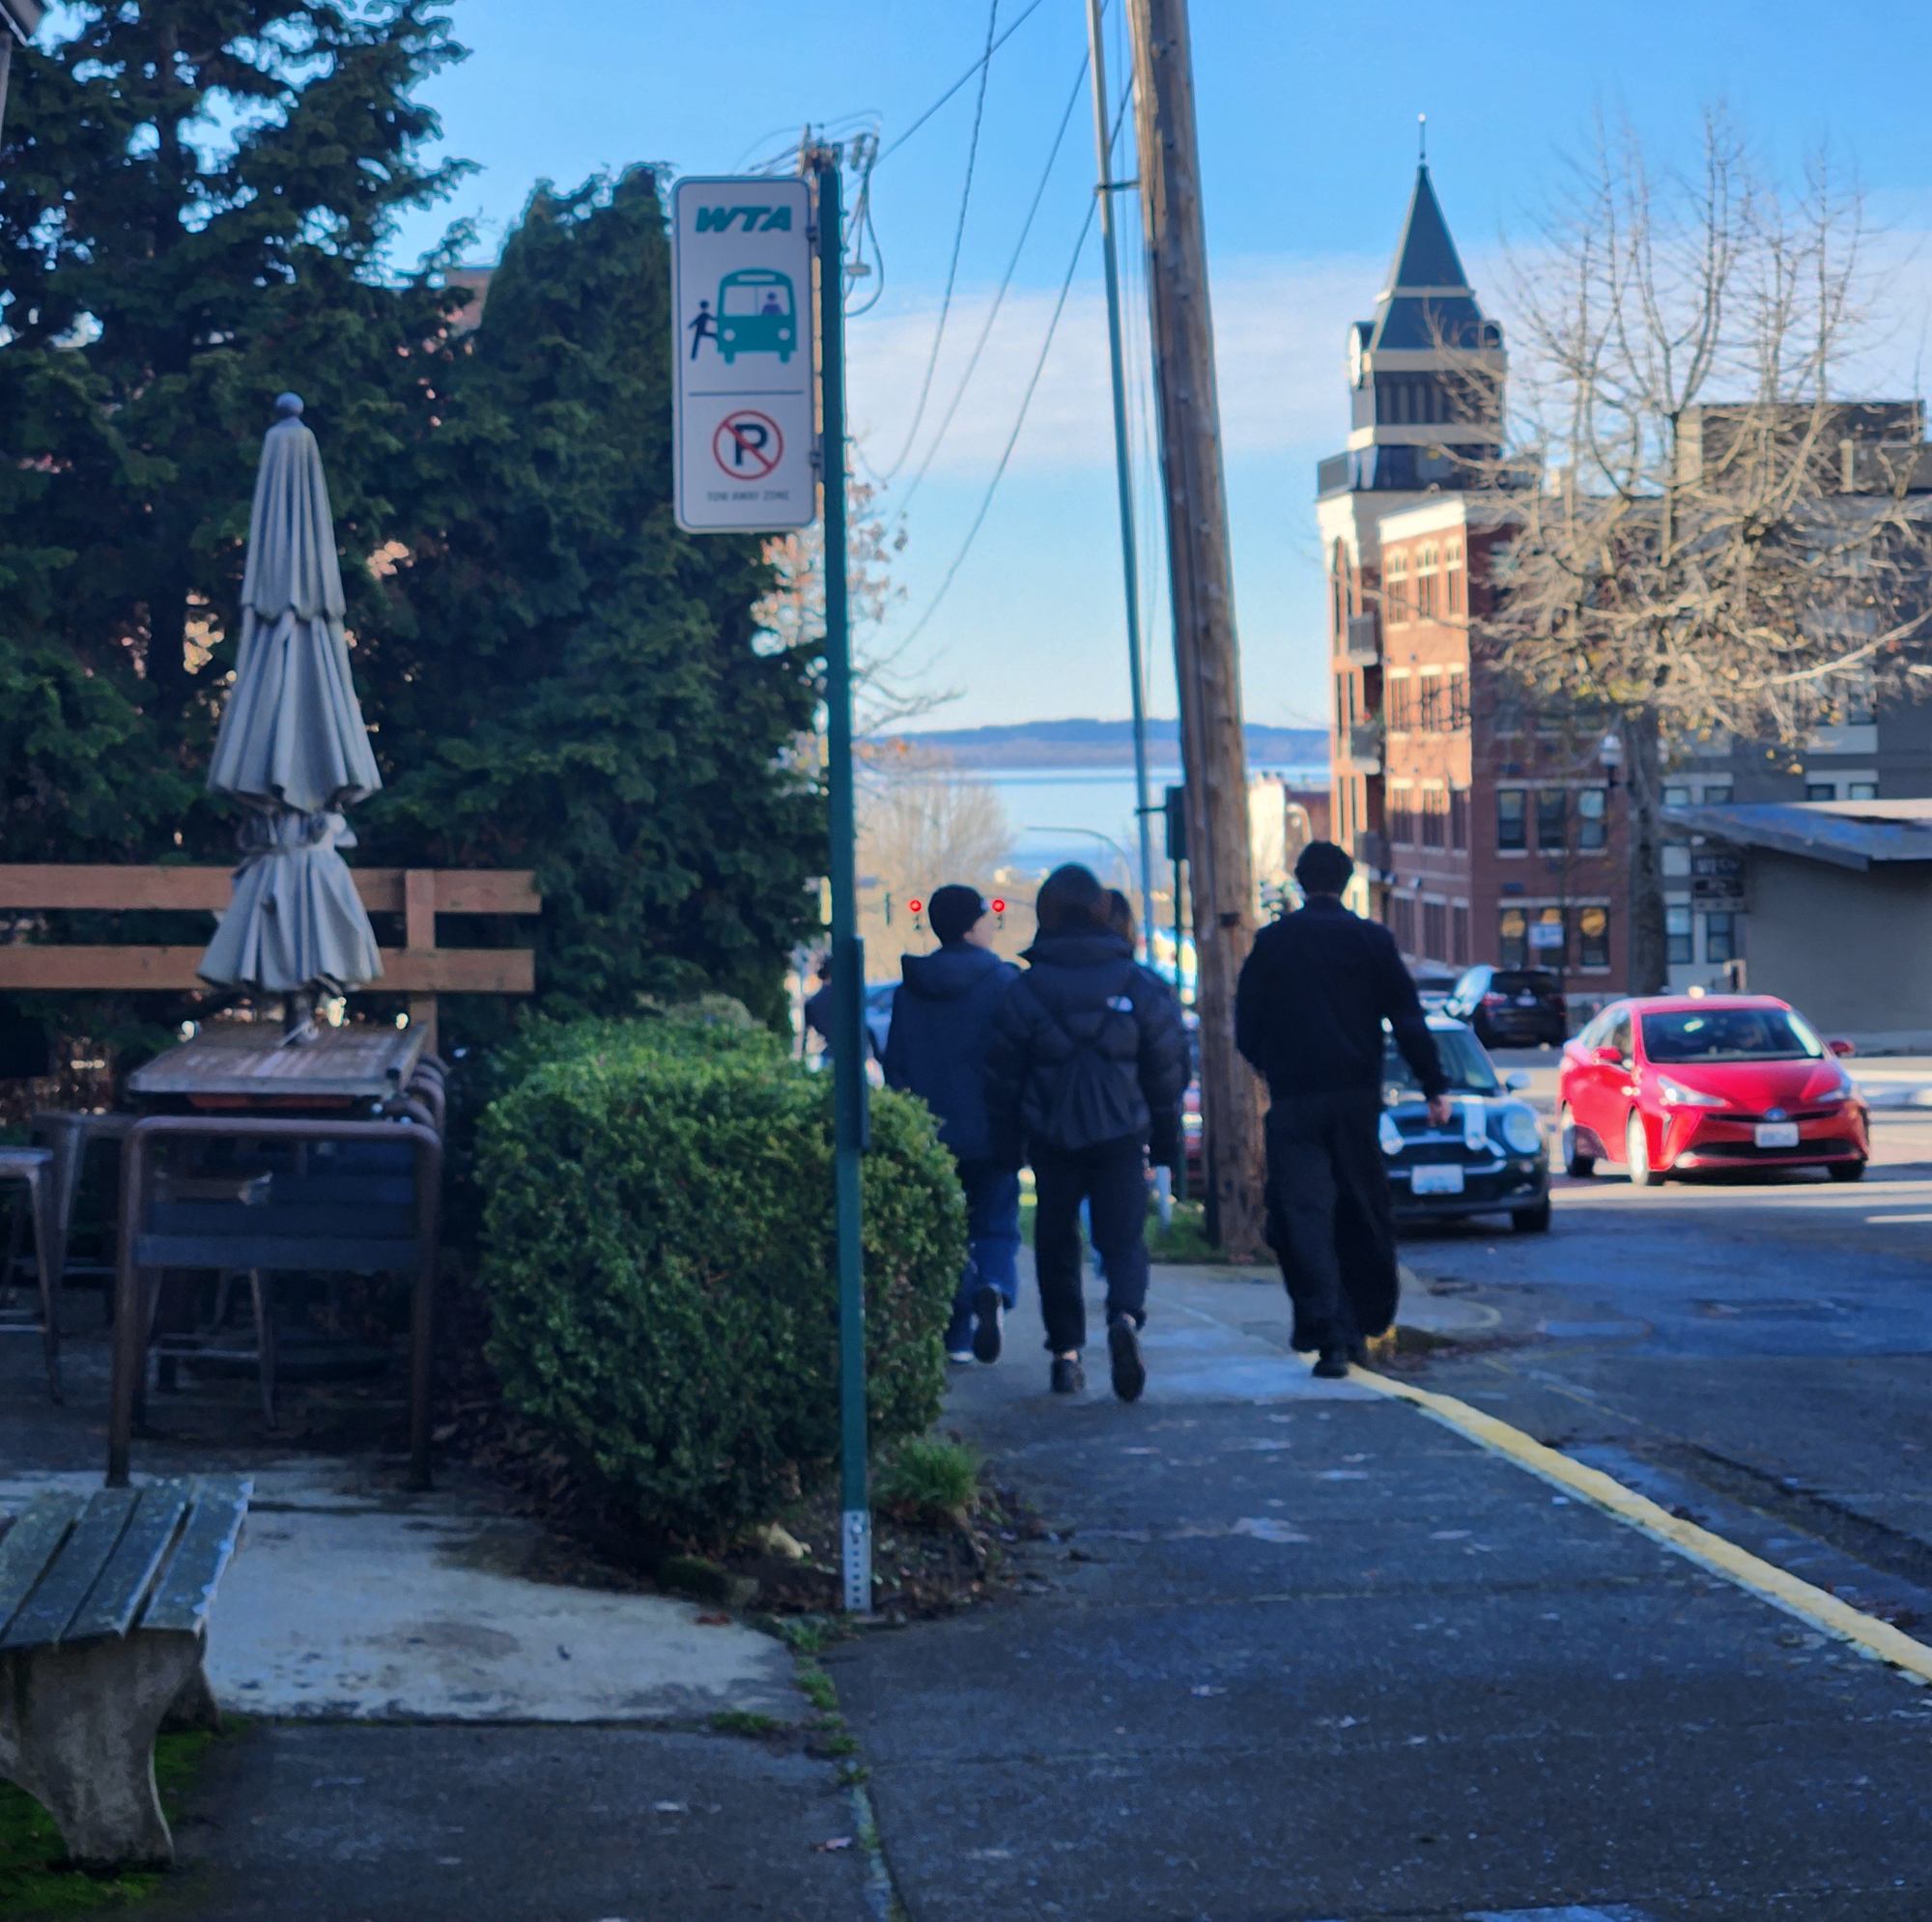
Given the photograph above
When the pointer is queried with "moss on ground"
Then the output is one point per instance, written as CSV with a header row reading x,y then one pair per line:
x,y
35,1879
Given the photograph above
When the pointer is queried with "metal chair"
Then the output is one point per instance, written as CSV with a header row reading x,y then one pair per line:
x,y
34,1167
70,1135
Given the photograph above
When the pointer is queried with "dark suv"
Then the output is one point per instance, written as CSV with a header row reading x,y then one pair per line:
x,y
1511,1007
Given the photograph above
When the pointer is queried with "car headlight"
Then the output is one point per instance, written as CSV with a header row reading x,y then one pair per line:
x,y
1842,1093
1388,1134
1676,1095
1521,1130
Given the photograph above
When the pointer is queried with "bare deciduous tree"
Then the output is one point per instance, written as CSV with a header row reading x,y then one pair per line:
x,y
923,824
1716,542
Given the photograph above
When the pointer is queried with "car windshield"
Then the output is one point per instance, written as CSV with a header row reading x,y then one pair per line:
x,y
1729,1034
1463,1061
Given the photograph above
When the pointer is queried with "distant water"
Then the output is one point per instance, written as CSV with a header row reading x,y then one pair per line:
x,y
1061,813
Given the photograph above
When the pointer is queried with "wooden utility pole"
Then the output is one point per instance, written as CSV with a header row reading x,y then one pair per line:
x,y
1206,656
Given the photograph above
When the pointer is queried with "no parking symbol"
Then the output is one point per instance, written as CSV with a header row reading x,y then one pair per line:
x,y
747,444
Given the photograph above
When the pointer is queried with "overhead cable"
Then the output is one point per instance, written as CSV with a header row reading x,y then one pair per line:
x,y
992,48
958,239
1012,266
1025,401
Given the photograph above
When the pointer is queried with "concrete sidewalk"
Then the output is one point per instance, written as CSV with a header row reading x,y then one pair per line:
x,y
1302,1653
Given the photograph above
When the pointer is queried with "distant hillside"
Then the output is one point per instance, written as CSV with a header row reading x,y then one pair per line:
x,y
1103,744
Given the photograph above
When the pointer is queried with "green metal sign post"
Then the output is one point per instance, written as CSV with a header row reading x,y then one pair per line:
x,y
848,953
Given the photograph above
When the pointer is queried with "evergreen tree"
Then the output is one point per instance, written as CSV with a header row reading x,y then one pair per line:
x,y
195,196
566,679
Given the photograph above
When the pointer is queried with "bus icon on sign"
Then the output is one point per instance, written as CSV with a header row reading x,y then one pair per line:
x,y
756,314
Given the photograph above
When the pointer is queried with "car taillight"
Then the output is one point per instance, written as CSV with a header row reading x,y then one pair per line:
x,y
1493,1000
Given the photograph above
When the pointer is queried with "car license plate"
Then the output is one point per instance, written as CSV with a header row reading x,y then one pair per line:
x,y
1442,1178
1776,1133
1525,1000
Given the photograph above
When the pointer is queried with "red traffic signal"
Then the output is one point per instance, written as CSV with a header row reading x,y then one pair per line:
x,y
998,907
915,904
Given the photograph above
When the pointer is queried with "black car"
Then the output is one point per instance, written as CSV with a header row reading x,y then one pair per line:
x,y
1490,1159
1511,1007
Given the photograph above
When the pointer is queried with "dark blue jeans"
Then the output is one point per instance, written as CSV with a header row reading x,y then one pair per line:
x,y
1110,1177
992,1243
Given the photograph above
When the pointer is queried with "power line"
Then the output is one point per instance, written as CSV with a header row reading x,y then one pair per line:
x,y
1025,401
958,239
975,66
1005,283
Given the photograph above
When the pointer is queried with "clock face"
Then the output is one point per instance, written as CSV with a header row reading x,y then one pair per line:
x,y
1355,356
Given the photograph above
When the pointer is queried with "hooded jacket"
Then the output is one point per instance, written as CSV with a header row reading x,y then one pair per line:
x,y
1086,1049
937,1045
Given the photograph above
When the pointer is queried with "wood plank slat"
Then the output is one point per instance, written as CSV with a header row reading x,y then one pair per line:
x,y
186,1588
127,889
447,971
121,1588
30,1544
74,1570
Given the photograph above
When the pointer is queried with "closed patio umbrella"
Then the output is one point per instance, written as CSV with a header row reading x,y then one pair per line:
x,y
293,748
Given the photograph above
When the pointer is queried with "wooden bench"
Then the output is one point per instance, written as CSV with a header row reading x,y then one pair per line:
x,y
104,1625
420,969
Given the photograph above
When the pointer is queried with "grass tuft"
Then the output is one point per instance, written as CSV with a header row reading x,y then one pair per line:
x,y
932,1477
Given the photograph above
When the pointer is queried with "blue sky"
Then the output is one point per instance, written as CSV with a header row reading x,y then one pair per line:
x,y
1308,130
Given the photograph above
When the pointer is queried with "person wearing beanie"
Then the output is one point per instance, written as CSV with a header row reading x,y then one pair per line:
x,y
936,1049
1313,993
1085,1072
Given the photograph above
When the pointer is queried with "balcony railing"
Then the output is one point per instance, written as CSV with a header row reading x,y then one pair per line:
x,y
1365,747
1359,644
1372,849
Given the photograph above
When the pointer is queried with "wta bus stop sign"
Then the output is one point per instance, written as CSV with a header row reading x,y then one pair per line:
x,y
741,301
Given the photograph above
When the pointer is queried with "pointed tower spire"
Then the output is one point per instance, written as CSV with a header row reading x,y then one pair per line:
x,y
1426,257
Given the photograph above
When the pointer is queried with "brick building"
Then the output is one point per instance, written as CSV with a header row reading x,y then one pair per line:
x,y
1483,831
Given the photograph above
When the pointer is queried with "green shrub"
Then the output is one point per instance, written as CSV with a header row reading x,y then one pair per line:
x,y
659,1256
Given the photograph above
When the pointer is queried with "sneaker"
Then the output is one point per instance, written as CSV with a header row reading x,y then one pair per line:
x,y
989,1310
963,1356
1124,1346
1068,1377
1333,1365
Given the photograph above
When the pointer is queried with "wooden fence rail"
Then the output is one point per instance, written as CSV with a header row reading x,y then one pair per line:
x,y
420,969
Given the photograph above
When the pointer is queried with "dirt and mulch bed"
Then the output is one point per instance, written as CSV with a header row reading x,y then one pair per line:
x,y
927,1561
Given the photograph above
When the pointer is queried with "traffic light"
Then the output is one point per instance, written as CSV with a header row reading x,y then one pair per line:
x,y
1175,814
1000,908
914,907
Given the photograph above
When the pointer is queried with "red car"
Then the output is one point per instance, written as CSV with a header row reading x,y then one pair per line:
x,y
1670,1085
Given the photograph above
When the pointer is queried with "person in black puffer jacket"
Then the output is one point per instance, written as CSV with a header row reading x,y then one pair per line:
x,y
1084,1071
937,1051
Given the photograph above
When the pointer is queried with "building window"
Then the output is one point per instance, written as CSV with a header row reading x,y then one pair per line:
x,y
1435,818
1459,818
1459,698
1552,805
1593,812
1402,918
1395,590
1434,931
1861,790
1508,719
1511,820
1721,938
1402,816
1549,941
1677,797
1821,790
1718,795
1458,935
1338,592
1452,579
1513,937
1593,937
1399,703
1677,936
1426,565
1429,701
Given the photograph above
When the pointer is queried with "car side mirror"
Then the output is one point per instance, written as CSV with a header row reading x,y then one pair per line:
x,y
1840,1047
1516,1079
1607,1058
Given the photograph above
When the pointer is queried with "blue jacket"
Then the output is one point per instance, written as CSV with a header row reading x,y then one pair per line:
x,y
937,1047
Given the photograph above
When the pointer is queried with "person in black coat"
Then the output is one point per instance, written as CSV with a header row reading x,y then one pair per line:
x,y
937,1050
1313,993
1085,1072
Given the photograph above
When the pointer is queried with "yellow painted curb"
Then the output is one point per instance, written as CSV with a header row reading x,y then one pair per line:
x,y
1870,1636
